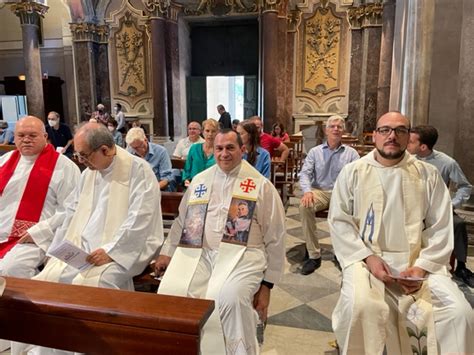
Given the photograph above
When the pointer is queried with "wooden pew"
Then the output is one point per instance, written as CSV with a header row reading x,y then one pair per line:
x,y
100,321
5,148
170,204
177,163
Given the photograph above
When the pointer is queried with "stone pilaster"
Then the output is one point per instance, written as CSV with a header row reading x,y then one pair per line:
x,y
158,11
102,72
30,14
270,61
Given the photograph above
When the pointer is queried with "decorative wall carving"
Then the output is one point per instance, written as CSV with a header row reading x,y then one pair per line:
x,y
129,58
322,74
157,8
222,7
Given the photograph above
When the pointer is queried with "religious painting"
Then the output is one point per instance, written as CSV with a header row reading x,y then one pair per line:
x,y
239,220
193,228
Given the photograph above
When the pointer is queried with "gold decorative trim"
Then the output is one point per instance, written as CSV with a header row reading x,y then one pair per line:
x,y
175,11
29,12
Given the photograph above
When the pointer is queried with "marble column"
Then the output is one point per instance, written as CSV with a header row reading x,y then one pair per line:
x,y
386,51
463,151
172,71
292,24
158,11
366,53
270,61
413,39
101,55
83,35
29,14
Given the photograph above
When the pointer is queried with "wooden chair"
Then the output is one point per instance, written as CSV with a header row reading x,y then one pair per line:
x,y
279,172
100,321
170,204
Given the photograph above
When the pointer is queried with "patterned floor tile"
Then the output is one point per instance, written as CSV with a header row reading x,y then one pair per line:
x,y
303,317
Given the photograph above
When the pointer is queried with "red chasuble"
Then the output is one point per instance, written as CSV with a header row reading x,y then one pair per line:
x,y
32,201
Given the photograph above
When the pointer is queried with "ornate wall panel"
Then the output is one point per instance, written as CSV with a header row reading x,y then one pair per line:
x,y
129,57
322,67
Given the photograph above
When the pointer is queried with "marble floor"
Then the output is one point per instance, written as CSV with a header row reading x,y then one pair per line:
x,y
300,309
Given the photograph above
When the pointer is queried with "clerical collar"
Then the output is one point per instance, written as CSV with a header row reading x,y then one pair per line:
x,y
108,169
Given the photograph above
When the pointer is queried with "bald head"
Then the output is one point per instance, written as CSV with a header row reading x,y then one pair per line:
x,y
30,136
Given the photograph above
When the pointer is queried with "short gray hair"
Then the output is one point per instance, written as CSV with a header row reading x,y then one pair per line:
x,y
135,134
336,118
97,135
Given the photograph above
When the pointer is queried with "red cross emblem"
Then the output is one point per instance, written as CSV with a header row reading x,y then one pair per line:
x,y
247,185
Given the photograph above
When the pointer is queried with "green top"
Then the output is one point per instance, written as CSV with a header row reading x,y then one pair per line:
x,y
196,162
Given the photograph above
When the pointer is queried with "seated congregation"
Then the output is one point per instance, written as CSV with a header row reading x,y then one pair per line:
x,y
390,218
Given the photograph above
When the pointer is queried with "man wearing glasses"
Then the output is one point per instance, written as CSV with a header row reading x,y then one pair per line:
x,y
194,136
391,225
320,170
114,214
34,183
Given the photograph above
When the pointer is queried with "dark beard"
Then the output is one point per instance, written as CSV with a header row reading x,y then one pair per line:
x,y
391,156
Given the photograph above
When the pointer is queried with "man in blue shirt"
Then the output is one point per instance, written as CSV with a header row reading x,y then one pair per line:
x,y
6,134
317,177
422,140
154,154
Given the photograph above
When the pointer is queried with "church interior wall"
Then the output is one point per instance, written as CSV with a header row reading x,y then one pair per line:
x,y
184,42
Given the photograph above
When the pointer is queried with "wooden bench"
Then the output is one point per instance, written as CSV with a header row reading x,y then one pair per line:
x,y
100,321
170,204
5,148
177,163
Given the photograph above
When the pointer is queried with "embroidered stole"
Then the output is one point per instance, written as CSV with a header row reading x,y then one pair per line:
x,y
370,213
34,195
117,210
182,267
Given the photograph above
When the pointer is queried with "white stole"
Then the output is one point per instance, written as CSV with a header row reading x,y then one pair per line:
x,y
182,267
117,210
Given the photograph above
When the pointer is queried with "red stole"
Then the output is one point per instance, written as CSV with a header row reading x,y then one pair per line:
x,y
32,201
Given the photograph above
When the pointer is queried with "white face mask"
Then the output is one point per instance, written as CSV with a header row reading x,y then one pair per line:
x,y
115,108
111,128
52,123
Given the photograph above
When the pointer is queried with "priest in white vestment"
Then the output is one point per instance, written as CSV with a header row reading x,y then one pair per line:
x,y
237,274
34,183
114,214
391,225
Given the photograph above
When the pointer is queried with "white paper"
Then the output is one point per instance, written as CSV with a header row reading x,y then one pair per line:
x,y
71,255
408,278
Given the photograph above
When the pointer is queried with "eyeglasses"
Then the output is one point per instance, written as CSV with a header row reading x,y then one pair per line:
x,y
335,126
82,156
399,131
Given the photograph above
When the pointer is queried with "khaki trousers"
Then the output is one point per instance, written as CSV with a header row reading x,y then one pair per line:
x,y
308,221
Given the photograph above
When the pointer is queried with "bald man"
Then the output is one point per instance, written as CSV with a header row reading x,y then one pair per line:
x,y
391,226
34,182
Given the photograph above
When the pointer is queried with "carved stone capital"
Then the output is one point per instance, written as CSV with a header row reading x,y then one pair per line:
x,y
174,11
88,31
293,20
157,8
369,15
102,33
372,15
29,12
270,5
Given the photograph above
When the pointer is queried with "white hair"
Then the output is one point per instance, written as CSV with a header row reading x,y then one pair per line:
x,y
335,118
135,134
